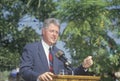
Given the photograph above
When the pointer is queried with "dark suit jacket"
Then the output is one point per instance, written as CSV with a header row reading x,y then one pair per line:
x,y
33,62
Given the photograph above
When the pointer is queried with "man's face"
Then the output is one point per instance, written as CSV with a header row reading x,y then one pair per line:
x,y
50,34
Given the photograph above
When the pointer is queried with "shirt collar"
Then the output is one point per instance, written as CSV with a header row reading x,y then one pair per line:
x,y
45,44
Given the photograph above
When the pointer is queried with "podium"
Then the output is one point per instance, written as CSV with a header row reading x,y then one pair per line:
x,y
75,78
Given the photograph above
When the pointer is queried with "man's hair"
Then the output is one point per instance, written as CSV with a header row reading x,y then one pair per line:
x,y
48,21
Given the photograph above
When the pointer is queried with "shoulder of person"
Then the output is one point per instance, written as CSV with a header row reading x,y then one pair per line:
x,y
56,49
33,44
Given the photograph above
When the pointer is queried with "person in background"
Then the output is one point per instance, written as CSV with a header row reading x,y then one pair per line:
x,y
34,62
14,75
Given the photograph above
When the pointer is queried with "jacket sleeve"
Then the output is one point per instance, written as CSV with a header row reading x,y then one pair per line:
x,y
26,63
80,71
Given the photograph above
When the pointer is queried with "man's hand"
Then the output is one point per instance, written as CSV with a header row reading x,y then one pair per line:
x,y
47,76
88,62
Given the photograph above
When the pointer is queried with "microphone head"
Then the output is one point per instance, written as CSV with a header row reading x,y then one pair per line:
x,y
59,54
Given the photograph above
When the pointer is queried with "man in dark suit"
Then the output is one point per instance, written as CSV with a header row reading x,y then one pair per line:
x,y
35,64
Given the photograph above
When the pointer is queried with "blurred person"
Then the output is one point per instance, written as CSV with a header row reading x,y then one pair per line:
x,y
14,75
35,64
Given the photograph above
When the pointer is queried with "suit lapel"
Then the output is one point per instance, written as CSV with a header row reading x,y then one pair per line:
x,y
43,57
55,62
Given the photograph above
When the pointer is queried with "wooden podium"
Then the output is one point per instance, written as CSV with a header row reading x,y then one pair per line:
x,y
75,78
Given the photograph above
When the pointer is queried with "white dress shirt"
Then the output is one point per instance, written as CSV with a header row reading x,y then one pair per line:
x,y
46,49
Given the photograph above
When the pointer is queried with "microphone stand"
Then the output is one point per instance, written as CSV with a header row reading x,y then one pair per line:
x,y
69,67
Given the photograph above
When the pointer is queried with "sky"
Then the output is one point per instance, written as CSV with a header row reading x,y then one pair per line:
x,y
114,36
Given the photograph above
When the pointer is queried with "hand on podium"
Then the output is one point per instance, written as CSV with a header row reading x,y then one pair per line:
x,y
47,76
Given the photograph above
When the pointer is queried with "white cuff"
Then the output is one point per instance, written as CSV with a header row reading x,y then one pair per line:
x,y
38,79
85,70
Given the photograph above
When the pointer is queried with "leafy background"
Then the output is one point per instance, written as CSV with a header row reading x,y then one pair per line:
x,y
89,24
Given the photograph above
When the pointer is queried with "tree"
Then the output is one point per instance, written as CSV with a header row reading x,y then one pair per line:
x,y
12,39
88,23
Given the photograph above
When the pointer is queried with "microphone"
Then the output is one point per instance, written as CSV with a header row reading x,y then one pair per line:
x,y
61,56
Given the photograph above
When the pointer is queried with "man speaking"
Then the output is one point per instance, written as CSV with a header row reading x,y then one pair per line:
x,y
39,61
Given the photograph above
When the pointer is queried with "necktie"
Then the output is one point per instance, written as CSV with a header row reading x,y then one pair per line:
x,y
50,60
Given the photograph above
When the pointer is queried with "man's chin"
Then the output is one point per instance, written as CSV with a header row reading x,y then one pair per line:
x,y
53,43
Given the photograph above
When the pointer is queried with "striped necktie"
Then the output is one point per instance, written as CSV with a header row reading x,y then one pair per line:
x,y
50,60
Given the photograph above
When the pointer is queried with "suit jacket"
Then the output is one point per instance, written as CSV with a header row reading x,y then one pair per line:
x,y
33,62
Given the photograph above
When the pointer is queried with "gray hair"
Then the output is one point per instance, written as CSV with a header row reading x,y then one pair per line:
x,y
48,21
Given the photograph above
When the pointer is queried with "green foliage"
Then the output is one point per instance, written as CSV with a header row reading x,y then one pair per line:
x,y
41,9
12,39
11,46
69,9
86,33
4,75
